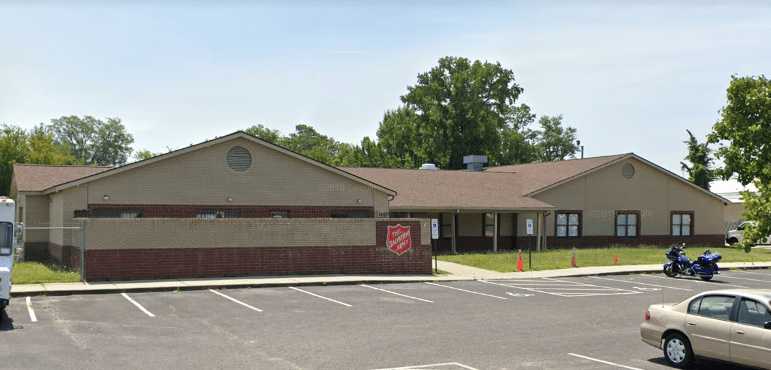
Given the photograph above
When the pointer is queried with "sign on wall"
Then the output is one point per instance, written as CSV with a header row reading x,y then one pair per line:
x,y
398,239
434,229
530,226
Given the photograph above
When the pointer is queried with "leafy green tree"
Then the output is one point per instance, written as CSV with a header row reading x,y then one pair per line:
x,y
398,140
43,148
700,171
555,142
744,134
143,154
460,108
517,139
264,133
93,141
13,149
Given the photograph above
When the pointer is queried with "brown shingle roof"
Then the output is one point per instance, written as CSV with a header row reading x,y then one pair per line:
x,y
36,177
534,176
445,190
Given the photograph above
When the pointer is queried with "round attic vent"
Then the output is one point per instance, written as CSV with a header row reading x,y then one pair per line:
x,y
628,171
239,159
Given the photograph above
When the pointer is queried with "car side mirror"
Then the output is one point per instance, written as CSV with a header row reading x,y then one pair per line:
x,y
767,325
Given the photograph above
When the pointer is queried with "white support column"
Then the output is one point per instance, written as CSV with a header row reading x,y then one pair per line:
x,y
495,231
544,244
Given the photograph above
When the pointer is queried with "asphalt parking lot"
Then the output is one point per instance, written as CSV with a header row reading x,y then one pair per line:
x,y
565,323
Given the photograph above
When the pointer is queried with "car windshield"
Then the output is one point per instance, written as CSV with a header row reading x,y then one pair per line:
x,y
6,238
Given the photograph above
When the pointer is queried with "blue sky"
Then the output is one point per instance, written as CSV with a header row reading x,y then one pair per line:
x,y
631,76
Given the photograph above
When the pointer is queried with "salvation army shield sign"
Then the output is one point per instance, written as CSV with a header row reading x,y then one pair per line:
x,y
398,239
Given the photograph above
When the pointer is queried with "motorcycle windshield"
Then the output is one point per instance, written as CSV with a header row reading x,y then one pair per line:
x,y
6,238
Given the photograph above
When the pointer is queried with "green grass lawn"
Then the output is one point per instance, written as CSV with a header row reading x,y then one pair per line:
x,y
36,272
560,258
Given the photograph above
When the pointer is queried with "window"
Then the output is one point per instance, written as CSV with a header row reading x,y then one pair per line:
x,y
682,223
351,214
716,307
114,212
211,213
568,224
6,238
488,225
446,224
753,313
279,214
693,307
627,223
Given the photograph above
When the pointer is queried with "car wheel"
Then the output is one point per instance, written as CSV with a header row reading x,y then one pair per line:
x,y
732,241
669,270
677,351
706,277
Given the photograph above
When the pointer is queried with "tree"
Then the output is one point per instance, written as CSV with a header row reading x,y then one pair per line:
x,y
264,133
744,134
399,140
555,142
93,141
112,143
143,154
43,149
13,149
517,139
460,108
700,171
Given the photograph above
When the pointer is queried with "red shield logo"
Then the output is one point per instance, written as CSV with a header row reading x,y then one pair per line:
x,y
398,239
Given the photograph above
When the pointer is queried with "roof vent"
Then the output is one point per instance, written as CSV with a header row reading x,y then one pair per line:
x,y
239,159
475,162
428,167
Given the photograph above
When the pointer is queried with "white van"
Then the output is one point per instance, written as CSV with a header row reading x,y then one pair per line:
x,y
7,244
736,235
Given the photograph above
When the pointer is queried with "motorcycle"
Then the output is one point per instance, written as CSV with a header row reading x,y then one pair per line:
x,y
705,267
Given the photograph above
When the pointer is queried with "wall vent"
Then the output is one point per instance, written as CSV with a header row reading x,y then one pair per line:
x,y
239,159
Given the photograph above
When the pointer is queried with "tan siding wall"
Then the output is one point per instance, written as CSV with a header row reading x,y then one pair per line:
x,y
469,224
202,177
234,233
36,214
653,193
733,214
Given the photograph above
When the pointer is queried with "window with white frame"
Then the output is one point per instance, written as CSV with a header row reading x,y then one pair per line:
x,y
489,224
568,224
682,223
446,224
627,224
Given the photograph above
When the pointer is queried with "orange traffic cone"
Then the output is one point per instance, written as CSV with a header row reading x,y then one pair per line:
x,y
520,264
615,260
573,258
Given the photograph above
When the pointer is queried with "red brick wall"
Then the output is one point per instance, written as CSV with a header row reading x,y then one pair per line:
x,y
188,211
128,264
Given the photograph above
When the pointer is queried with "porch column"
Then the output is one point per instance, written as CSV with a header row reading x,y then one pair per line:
x,y
495,231
544,245
539,231
454,247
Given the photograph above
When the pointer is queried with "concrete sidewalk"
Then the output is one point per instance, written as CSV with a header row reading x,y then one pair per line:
x,y
456,272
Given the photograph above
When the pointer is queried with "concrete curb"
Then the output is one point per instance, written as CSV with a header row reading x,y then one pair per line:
x,y
53,289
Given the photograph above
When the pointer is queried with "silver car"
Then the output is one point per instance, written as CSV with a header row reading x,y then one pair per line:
x,y
728,325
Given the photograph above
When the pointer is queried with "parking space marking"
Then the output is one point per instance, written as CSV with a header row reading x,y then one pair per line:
x,y
469,291
748,279
604,362
566,288
753,272
395,293
427,366
321,296
696,281
235,300
32,316
639,283
139,306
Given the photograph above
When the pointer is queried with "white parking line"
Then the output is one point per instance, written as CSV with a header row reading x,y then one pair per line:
x,y
748,279
235,300
469,291
458,364
320,296
395,293
567,288
139,306
639,283
716,284
604,362
32,316
753,272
